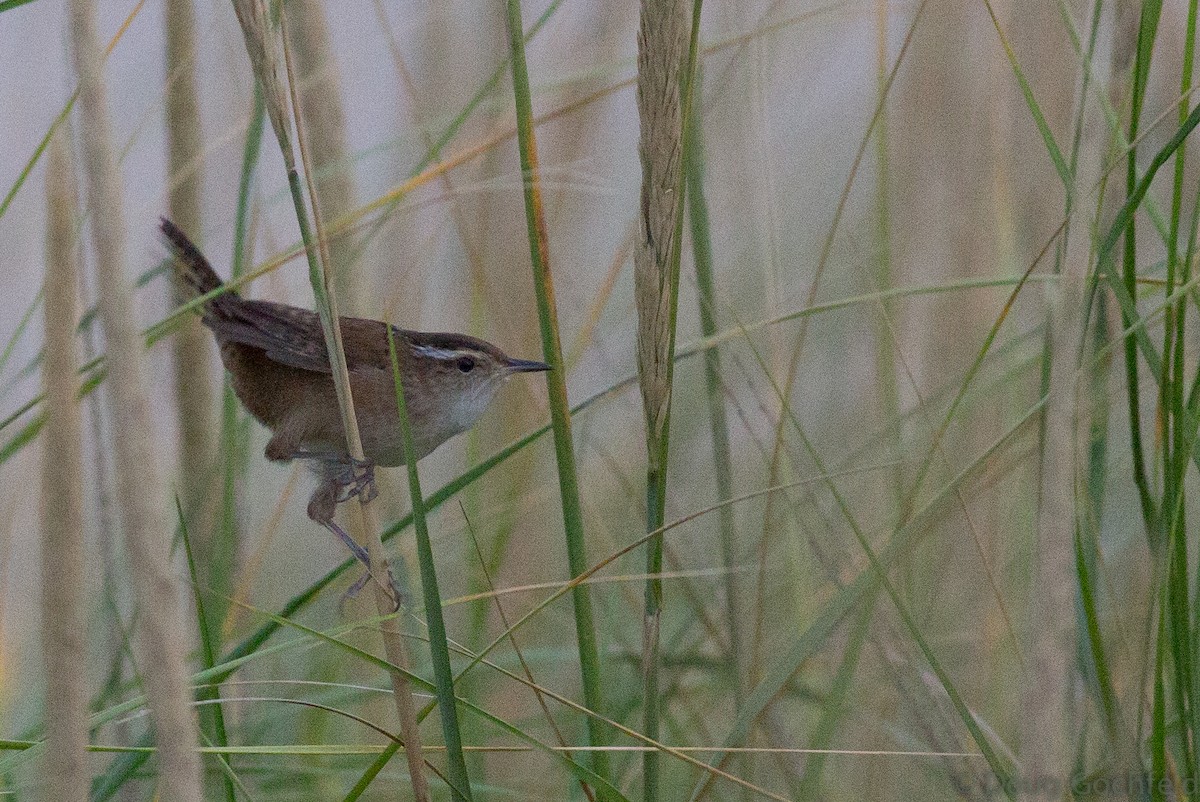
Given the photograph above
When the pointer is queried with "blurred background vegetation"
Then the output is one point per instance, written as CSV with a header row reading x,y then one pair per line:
x,y
910,364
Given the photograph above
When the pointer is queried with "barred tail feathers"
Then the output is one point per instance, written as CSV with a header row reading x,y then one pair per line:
x,y
190,263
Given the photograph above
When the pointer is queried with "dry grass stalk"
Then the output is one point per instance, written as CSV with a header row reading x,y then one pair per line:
x,y
161,648
662,43
260,46
63,621
1048,719
662,48
365,525
324,121
194,382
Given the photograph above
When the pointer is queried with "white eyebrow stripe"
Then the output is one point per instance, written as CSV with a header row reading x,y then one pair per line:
x,y
436,353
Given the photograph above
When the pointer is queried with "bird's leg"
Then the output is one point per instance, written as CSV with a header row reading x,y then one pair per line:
x,y
352,477
321,507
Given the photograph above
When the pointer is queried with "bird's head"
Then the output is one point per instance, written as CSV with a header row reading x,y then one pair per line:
x,y
459,375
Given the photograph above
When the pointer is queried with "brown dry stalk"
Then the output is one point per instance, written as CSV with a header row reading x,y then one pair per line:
x,y
260,46
63,622
159,639
1048,719
365,525
325,130
194,381
662,43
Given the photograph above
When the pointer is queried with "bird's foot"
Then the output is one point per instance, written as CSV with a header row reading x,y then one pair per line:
x,y
357,478
352,592
399,598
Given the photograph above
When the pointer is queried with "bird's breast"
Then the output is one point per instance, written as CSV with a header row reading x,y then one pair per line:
x,y
433,420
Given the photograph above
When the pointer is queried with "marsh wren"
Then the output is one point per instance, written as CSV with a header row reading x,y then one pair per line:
x,y
279,368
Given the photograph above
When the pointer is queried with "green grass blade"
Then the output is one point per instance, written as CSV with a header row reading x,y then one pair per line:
x,y
460,782
835,707
1085,570
209,693
334,640
234,425
1035,110
22,325
848,598
1120,222
1149,23
1133,201
702,255
41,145
556,387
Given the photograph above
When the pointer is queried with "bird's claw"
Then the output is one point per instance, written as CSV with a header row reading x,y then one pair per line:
x,y
399,598
357,478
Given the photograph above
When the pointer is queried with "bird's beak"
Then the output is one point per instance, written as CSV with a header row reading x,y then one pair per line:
x,y
526,366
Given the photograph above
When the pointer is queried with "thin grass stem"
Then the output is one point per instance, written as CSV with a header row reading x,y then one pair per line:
x,y
556,388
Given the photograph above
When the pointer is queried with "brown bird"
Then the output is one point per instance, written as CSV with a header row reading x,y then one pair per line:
x,y
276,358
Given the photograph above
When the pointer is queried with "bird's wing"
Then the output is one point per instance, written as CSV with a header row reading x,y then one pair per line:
x,y
292,336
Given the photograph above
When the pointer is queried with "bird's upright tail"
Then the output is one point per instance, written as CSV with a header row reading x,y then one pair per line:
x,y
191,265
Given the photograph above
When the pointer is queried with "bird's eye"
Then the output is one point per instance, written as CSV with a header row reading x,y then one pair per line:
x,y
466,364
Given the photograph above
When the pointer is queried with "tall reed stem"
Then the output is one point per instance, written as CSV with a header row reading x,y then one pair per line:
x,y
260,45
324,117
162,651
63,576
192,347
665,67
556,389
